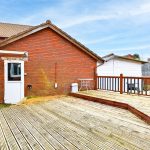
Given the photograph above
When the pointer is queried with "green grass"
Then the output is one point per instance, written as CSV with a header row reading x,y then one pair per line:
x,y
28,97
4,105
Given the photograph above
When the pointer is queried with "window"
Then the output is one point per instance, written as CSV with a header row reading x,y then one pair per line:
x,y
14,71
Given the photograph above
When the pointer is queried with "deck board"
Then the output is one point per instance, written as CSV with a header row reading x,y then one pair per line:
x,y
71,129
23,144
71,123
10,138
33,128
98,126
3,142
46,130
142,103
101,141
75,139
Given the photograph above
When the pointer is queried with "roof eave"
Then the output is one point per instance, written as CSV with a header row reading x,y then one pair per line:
x,y
111,56
140,61
56,29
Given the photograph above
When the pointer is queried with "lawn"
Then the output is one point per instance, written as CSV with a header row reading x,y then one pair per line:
x,y
4,105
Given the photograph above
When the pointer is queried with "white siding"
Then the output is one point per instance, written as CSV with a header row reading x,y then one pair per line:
x,y
115,67
106,68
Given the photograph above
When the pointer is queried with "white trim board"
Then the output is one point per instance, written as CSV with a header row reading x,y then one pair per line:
x,y
13,52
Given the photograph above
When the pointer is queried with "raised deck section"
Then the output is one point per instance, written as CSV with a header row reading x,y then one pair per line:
x,y
138,105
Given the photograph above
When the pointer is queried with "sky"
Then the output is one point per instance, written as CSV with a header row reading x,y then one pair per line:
x,y
105,26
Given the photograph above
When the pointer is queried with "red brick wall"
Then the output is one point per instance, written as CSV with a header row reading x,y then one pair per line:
x,y
45,49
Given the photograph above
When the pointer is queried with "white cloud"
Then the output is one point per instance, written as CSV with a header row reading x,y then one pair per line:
x,y
143,51
130,12
103,39
65,14
85,19
142,47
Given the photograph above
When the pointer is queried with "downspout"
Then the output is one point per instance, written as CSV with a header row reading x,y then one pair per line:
x,y
113,66
98,66
55,85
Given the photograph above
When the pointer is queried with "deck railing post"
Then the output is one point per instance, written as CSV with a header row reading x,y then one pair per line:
x,y
95,87
95,79
121,83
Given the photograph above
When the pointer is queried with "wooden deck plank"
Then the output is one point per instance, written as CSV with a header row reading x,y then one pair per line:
x,y
62,126
54,132
107,109
23,144
136,129
141,103
100,142
71,123
130,118
39,137
116,103
3,142
44,130
26,133
67,125
78,121
73,138
92,122
145,132
12,143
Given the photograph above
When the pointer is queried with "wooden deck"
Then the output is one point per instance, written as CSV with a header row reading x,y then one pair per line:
x,y
71,123
142,103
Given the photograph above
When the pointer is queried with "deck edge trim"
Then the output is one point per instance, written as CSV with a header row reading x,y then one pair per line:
x,y
125,106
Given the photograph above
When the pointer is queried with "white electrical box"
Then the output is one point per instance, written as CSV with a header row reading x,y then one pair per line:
x,y
74,87
56,85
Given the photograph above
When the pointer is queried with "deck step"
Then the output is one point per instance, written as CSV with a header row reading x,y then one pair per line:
x,y
114,103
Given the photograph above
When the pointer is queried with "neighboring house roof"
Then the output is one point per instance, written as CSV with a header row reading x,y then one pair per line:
x,y
130,56
112,56
8,29
48,24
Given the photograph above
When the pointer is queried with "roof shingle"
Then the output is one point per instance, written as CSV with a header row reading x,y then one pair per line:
x,y
8,29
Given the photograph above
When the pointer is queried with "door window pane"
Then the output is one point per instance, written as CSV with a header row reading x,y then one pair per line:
x,y
14,71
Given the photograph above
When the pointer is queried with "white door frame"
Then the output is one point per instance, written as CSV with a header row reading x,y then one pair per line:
x,y
7,82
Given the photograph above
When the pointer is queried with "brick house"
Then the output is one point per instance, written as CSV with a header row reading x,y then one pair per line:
x,y
35,58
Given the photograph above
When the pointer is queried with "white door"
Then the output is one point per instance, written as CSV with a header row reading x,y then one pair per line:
x,y
14,81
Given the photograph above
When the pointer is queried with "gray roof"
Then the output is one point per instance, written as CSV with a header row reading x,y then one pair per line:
x,y
111,56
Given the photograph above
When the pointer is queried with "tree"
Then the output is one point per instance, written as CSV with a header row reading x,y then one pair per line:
x,y
136,56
